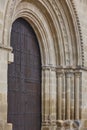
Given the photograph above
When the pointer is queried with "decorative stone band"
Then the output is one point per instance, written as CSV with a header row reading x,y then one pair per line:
x,y
49,67
4,47
8,49
61,69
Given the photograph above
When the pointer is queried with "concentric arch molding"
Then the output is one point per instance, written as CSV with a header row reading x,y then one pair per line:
x,y
56,28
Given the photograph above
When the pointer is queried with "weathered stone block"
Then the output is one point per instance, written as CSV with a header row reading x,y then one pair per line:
x,y
8,126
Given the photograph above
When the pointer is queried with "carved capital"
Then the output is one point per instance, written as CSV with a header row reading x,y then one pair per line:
x,y
68,74
60,71
50,68
77,74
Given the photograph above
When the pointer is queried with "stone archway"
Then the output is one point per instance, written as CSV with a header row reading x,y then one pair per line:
x,y
60,54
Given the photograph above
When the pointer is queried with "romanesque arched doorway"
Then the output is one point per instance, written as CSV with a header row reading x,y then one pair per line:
x,y
24,79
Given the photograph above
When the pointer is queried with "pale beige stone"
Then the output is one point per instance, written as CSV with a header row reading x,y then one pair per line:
x,y
10,57
58,30
8,126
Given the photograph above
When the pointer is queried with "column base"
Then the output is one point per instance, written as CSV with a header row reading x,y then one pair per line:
x,y
8,126
83,128
65,125
49,126
83,125
5,126
68,125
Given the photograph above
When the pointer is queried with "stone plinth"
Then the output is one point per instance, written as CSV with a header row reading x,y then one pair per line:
x,y
5,126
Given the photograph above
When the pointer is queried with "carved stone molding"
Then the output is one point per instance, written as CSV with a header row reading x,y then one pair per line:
x,y
80,30
61,16
50,68
77,74
4,47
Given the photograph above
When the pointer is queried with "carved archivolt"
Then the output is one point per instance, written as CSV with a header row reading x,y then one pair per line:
x,y
56,19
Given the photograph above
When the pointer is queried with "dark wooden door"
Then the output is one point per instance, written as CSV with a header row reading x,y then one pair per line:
x,y
24,79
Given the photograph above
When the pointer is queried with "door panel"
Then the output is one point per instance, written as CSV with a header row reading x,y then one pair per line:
x,y
24,79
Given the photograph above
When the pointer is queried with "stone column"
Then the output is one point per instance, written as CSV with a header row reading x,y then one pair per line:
x,y
59,94
77,97
52,87
68,86
45,98
48,98
63,96
72,96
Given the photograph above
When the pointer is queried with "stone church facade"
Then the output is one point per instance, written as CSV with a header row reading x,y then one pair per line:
x,y
61,30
